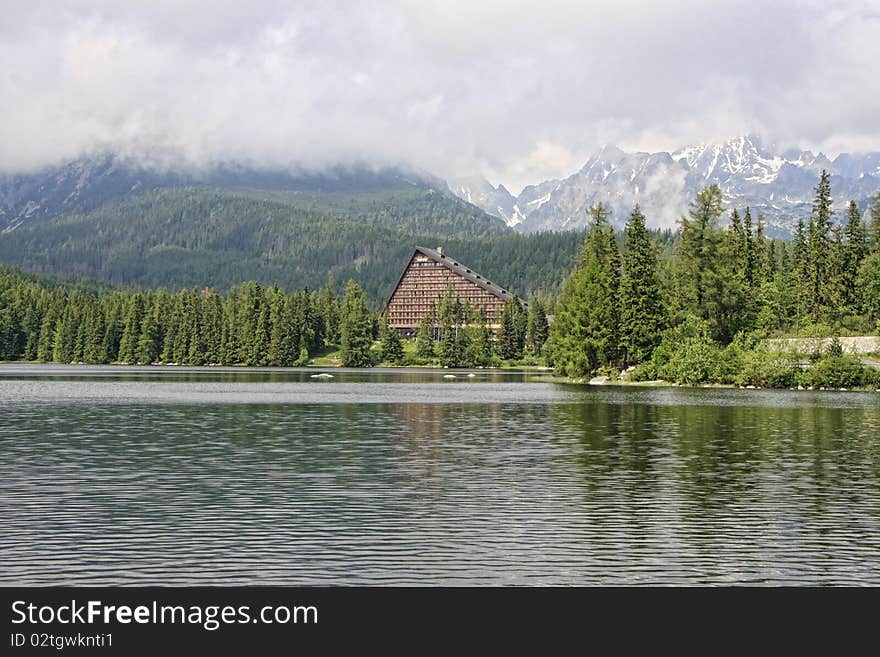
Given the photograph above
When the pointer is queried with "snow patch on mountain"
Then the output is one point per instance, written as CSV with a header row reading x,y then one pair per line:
x,y
779,184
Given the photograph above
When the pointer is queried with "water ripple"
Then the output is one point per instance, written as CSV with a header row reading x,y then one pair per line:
x,y
139,481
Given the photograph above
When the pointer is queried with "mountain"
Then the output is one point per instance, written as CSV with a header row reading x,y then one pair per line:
x,y
778,184
112,221
497,201
89,182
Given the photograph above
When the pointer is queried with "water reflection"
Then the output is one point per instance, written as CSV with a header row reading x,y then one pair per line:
x,y
491,482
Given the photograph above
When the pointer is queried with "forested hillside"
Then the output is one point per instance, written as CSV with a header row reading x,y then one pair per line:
x,y
198,237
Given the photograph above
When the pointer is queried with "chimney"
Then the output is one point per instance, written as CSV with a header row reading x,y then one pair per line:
x,y
440,250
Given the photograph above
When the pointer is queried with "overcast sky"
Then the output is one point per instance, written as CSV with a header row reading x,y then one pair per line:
x,y
518,92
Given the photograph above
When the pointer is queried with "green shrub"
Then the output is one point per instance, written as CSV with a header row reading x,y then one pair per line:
x,y
838,372
767,369
686,354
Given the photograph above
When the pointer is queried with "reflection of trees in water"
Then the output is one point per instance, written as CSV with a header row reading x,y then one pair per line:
x,y
609,438
717,457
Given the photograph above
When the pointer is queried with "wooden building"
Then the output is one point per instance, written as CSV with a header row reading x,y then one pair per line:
x,y
425,280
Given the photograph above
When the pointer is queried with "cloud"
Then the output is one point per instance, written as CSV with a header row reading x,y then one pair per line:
x,y
513,90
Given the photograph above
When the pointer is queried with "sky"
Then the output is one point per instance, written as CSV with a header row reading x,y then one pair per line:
x,y
518,92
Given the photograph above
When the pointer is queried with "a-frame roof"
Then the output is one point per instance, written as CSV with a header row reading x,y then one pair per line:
x,y
458,268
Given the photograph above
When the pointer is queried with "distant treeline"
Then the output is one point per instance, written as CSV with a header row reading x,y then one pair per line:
x,y
696,310
50,320
251,325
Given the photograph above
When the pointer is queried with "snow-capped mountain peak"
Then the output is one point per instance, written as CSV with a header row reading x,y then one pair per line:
x,y
779,184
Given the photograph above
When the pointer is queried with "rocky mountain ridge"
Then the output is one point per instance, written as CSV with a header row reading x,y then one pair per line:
x,y
780,185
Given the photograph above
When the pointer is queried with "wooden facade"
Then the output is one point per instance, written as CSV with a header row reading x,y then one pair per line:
x,y
425,280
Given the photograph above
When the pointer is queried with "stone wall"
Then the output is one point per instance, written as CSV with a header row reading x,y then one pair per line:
x,y
864,344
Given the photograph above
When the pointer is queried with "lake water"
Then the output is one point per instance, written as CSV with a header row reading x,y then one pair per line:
x,y
117,475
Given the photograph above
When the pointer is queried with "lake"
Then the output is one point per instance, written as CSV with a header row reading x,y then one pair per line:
x,y
127,475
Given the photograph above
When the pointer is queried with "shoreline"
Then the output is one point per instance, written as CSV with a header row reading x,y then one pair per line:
x,y
538,374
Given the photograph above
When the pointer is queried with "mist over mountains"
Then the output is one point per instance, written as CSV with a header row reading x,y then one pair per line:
x,y
779,184
89,182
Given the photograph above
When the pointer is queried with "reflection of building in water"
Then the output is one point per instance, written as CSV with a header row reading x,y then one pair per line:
x,y
425,280
426,422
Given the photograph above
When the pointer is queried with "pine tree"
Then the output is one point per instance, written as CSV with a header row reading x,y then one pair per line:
x,y
819,250
330,310
196,353
750,262
213,328
537,328
260,337
835,285
425,336
480,345
303,358
66,330
391,345
54,311
698,247
585,332
247,317
356,328
93,350
131,329
642,316
148,341
512,338
874,237
764,253
450,312
710,280
113,331
736,227
868,284
800,274
855,250
183,335
280,350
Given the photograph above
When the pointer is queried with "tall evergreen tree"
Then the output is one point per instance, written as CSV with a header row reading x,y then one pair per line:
x,y
799,274
213,328
698,246
751,261
425,337
538,327
855,250
330,310
93,351
147,350
113,330
356,328
584,334
511,337
642,316
764,252
391,346
450,316
481,346
131,329
835,286
708,285
819,250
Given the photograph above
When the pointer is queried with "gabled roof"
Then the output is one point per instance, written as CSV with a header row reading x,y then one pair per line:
x,y
458,268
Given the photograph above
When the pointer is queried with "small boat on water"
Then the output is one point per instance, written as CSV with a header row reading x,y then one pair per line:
x,y
449,376
322,375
